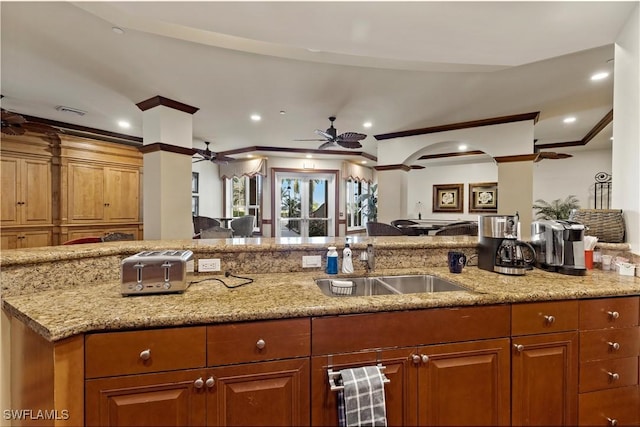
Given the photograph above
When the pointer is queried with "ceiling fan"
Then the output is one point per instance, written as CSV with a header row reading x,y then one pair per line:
x,y
209,155
15,124
331,138
551,155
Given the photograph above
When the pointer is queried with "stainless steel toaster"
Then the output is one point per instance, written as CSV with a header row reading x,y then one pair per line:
x,y
155,272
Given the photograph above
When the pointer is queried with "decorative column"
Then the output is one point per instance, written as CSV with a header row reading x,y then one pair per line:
x,y
515,189
167,151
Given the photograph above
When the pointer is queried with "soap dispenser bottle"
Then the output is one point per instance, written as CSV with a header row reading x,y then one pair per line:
x,y
332,260
347,262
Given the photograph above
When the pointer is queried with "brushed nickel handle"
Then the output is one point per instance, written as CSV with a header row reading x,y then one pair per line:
x,y
210,382
612,421
613,314
145,354
424,358
415,359
198,383
549,319
613,376
261,344
518,347
614,345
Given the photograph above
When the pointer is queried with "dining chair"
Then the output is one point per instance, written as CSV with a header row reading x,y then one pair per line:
x,y
216,232
117,236
469,228
382,229
203,222
243,226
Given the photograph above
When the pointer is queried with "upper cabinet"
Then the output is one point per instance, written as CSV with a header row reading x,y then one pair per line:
x,y
26,191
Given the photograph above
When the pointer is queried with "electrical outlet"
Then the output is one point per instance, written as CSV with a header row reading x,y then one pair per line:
x,y
208,265
311,261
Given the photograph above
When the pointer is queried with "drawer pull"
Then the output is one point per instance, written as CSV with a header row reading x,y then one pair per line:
x,y
612,421
415,359
145,354
549,319
518,347
613,314
198,383
614,376
210,382
424,358
261,344
614,345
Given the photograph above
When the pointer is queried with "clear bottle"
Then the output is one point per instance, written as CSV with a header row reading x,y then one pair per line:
x,y
347,261
332,260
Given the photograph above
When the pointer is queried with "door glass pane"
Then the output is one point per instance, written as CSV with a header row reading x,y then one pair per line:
x,y
290,207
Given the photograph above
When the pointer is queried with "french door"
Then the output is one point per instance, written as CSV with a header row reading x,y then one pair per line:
x,y
305,204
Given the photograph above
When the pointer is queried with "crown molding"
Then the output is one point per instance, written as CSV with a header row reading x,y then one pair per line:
x,y
166,102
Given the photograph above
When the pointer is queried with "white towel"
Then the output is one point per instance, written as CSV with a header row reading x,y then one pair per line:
x,y
364,396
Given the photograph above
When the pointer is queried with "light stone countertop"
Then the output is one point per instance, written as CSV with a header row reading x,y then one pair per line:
x,y
58,314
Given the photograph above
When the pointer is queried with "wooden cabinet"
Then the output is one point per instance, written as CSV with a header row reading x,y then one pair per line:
x,y
19,238
102,194
459,383
26,191
544,363
609,362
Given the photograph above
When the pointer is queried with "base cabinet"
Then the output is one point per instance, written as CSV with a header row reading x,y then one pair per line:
x,y
25,238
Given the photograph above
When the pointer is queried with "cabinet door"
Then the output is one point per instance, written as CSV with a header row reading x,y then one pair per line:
x,y
86,193
400,392
35,239
10,181
9,239
545,379
122,194
36,192
464,384
264,393
146,400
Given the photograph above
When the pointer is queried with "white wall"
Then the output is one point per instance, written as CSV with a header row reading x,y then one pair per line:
x,y
210,189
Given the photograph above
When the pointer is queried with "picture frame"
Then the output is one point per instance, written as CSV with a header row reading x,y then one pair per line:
x,y
195,205
448,198
483,197
195,182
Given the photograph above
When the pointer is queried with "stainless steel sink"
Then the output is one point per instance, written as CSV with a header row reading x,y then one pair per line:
x,y
388,285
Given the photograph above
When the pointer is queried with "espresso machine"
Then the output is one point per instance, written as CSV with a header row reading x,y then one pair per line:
x,y
499,249
559,246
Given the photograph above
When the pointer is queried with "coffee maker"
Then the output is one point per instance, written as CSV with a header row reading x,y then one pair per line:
x,y
559,246
499,249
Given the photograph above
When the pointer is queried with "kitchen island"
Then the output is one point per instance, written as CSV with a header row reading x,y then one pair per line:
x,y
66,302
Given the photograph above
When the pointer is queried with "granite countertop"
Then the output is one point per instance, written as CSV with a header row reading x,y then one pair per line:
x,y
58,314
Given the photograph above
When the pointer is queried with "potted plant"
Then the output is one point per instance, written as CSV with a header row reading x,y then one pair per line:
x,y
556,209
369,203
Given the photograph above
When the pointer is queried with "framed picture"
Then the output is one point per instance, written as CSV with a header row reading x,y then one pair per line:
x,y
195,182
195,205
483,197
448,198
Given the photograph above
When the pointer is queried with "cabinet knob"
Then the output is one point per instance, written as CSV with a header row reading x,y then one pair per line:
x,y
614,345
612,421
210,382
424,358
613,314
614,376
145,354
261,344
415,359
518,347
198,383
549,319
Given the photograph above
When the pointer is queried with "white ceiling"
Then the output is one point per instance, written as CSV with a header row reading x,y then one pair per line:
x,y
400,65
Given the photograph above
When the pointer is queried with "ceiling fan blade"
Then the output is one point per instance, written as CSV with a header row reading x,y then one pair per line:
x,y
351,136
349,144
327,145
198,160
9,129
323,133
315,139
551,155
13,118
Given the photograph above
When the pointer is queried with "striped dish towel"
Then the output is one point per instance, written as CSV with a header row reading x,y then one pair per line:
x,y
364,396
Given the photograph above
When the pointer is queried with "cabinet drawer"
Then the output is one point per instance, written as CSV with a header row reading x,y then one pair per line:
x,y
608,373
136,352
544,317
618,406
256,341
609,343
609,313
342,334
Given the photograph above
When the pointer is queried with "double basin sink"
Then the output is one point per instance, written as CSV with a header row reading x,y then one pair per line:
x,y
386,285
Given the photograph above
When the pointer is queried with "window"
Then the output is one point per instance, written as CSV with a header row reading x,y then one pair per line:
x,y
244,195
356,218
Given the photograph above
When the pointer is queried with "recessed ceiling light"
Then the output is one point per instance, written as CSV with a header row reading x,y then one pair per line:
x,y
283,112
569,119
462,147
367,124
124,124
364,162
250,156
256,117
117,30
308,156
600,76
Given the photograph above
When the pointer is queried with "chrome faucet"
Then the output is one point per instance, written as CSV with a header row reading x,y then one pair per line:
x,y
369,258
